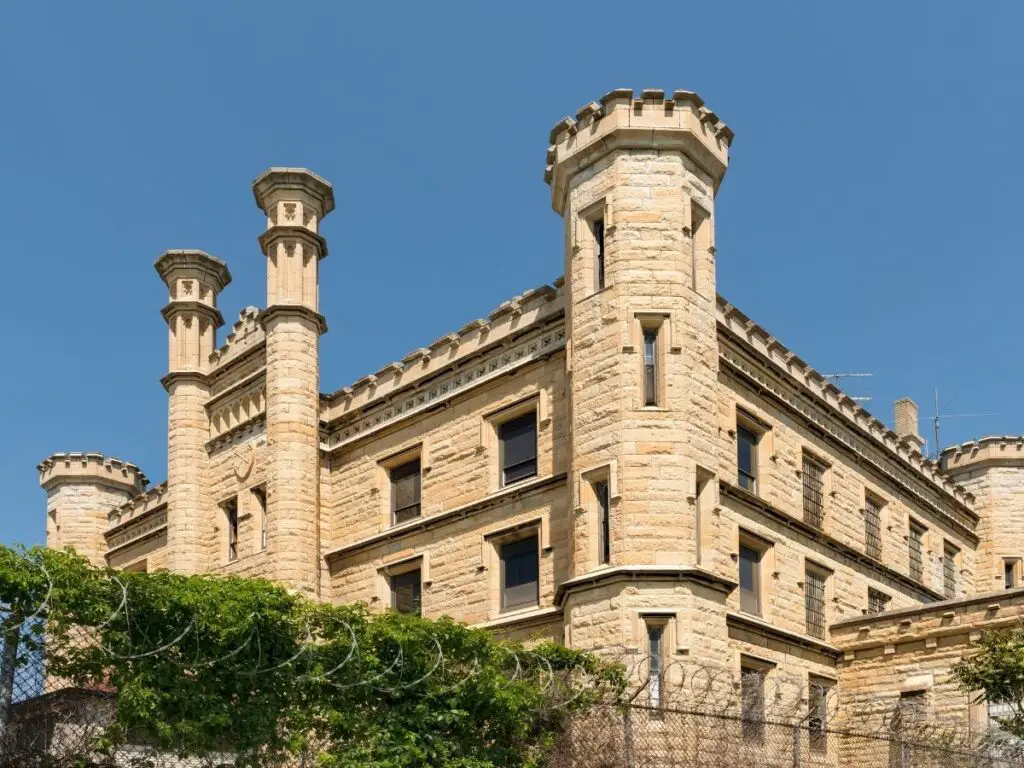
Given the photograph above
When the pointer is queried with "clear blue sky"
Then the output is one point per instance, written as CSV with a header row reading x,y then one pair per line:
x,y
870,217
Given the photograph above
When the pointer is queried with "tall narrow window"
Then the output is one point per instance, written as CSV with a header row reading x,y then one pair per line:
x,y
406,592
814,491
878,601
259,494
814,600
872,527
699,230
520,574
231,518
750,580
916,551
817,713
650,366
1010,573
949,575
518,439
656,661
603,522
597,227
702,502
752,702
746,457
405,491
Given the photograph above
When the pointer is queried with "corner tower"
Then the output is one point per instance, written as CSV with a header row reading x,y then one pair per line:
x,y
294,201
634,180
194,279
81,488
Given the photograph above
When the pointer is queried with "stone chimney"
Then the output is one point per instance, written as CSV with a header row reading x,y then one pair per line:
x,y
906,416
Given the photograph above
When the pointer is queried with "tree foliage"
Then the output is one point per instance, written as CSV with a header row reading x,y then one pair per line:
x,y
207,665
997,672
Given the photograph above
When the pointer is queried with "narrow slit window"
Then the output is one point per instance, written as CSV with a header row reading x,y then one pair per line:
x,y
699,243
650,366
813,476
916,551
518,439
603,522
752,703
873,527
949,574
260,495
656,661
597,227
231,518
746,458
405,491
817,713
1010,573
750,580
814,601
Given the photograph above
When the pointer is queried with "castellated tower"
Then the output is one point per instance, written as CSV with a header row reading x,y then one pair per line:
x,y
193,279
294,201
635,180
81,489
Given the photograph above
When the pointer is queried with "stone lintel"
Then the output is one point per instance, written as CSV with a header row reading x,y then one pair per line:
x,y
296,311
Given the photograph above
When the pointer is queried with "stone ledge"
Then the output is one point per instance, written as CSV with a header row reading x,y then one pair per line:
x,y
747,622
685,573
294,310
433,521
525,618
762,505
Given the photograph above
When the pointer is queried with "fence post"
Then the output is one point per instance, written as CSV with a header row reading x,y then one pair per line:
x,y
10,635
796,745
628,736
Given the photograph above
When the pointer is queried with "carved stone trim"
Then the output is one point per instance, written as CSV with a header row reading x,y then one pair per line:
x,y
137,530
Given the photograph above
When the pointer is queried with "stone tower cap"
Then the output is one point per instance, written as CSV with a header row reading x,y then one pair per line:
x,y
622,120
90,468
215,270
293,178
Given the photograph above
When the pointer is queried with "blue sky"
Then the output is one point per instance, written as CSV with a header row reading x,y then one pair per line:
x,y
870,217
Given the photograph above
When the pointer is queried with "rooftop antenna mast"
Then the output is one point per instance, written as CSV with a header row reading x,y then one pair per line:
x,y
835,378
937,419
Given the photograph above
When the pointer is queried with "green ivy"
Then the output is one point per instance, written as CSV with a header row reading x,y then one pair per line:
x,y
203,665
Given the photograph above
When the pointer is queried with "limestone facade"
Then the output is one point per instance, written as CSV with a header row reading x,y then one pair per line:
x,y
620,451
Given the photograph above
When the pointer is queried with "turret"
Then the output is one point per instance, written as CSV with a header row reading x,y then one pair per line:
x,y
81,489
294,201
634,180
194,280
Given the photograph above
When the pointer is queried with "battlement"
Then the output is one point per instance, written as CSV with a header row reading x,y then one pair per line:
x,y
621,121
138,505
88,468
994,450
508,318
246,332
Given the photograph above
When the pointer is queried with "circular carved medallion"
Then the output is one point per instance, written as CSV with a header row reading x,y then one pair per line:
x,y
244,457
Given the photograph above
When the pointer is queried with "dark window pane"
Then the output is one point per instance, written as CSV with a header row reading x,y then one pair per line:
x,y
656,663
520,569
949,580
1009,577
519,448
231,512
406,592
750,580
650,366
752,704
817,719
405,491
746,458
604,523
599,252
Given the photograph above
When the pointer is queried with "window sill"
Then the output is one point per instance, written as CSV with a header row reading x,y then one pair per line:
x,y
520,615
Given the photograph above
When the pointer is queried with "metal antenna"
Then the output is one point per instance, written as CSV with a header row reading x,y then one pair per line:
x,y
939,416
835,377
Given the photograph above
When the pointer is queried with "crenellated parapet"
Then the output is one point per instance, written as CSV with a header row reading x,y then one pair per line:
x,y
994,450
623,121
246,334
533,308
91,468
769,348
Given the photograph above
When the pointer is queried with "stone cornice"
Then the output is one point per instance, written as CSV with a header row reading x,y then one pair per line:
x,y
782,365
276,178
196,377
761,505
197,307
288,232
141,528
293,310
989,601
772,632
471,374
430,522
633,573
252,426
990,451
191,260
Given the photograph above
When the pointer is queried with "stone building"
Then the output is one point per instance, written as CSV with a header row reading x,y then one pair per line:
x,y
621,459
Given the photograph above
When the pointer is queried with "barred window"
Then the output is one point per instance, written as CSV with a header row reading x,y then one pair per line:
x,y
878,601
405,491
406,592
916,551
817,713
814,488
873,527
814,601
752,702
949,579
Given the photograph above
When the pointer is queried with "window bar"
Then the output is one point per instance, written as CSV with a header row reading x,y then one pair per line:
x,y
814,586
814,486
